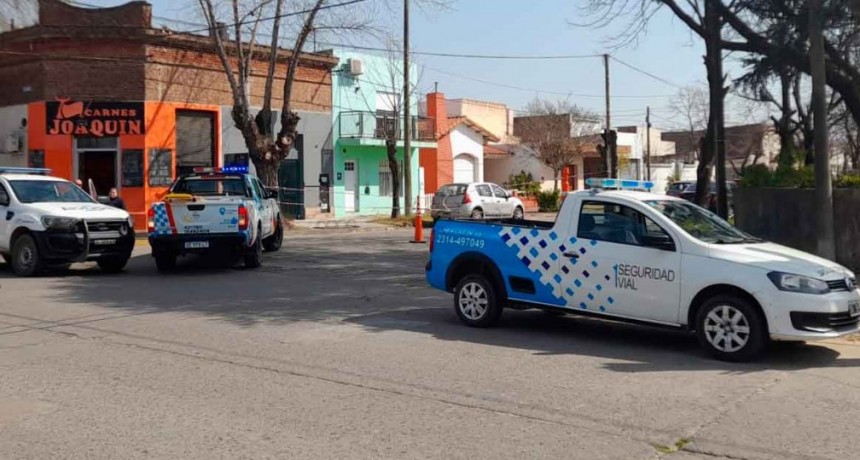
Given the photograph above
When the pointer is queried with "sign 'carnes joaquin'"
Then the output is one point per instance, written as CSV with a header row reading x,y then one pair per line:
x,y
92,118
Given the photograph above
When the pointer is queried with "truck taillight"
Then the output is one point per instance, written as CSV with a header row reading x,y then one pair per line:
x,y
150,220
466,198
243,218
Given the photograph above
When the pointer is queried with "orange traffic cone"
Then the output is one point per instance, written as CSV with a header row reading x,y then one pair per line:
x,y
418,223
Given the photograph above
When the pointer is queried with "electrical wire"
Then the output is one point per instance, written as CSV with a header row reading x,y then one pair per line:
x,y
646,73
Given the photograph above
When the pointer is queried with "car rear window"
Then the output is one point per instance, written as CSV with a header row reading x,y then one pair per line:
x,y
452,190
226,186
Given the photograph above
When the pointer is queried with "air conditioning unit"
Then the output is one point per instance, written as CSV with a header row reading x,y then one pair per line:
x,y
11,143
356,67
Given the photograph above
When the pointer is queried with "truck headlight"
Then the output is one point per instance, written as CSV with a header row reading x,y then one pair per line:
x,y
797,283
59,223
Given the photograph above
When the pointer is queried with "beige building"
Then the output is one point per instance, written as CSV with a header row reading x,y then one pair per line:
x,y
494,116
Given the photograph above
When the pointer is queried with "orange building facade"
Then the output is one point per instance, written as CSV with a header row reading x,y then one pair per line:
x,y
100,95
129,145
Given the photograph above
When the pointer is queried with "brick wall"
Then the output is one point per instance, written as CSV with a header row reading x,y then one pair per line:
x,y
181,75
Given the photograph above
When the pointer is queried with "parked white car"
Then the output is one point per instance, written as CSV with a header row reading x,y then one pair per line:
x,y
476,201
49,221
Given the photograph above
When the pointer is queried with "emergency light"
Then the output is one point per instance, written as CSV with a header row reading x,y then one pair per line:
x,y
627,184
17,170
225,169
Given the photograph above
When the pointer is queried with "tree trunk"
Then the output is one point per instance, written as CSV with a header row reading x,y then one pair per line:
x,y
786,134
555,173
391,150
705,168
823,190
717,93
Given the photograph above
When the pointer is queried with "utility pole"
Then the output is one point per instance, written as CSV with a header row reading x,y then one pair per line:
x,y
648,142
610,149
714,27
823,187
407,119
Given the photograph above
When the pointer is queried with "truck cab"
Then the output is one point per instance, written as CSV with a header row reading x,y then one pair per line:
x,y
215,210
629,255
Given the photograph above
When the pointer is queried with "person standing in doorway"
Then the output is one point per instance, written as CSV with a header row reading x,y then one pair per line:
x,y
79,183
115,200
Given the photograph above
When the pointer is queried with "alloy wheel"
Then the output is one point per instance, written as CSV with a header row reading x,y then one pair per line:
x,y
727,329
473,301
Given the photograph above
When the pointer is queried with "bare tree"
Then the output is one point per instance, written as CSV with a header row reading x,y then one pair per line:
x,y
691,104
235,41
556,132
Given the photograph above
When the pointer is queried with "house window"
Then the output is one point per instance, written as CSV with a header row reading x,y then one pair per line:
x,y
386,184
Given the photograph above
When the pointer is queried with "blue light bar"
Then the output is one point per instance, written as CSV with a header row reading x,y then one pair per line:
x,y
620,183
17,170
235,169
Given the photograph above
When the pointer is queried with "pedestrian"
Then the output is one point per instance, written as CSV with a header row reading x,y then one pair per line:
x,y
79,183
115,200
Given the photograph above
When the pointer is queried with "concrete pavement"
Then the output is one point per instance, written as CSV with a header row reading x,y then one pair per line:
x,y
336,348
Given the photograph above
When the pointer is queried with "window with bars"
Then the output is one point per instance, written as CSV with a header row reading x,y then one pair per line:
x,y
386,184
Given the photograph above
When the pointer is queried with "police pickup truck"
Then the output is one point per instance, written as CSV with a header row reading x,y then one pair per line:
x,y
50,222
634,256
224,210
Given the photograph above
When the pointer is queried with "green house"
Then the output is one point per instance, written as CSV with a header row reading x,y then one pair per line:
x,y
367,111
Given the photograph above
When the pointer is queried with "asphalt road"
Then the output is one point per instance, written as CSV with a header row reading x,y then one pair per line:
x,y
335,348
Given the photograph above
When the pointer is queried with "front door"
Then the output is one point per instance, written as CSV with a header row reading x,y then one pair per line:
x,y
350,185
100,166
488,201
622,263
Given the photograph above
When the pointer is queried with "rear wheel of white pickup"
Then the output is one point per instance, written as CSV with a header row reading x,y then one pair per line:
x,y
273,243
476,301
254,258
731,329
165,261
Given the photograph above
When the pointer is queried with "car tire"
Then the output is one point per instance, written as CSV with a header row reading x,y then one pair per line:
x,y
26,260
476,302
730,328
254,258
273,243
113,264
165,261
477,213
519,214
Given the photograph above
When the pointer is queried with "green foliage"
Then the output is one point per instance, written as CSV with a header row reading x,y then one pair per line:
x,y
848,181
548,201
525,183
755,176
759,176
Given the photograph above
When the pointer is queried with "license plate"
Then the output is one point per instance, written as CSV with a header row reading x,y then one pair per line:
x,y
854,309
104,242
196,244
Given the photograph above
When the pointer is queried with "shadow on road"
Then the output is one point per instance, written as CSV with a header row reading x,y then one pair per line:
x,y
379,285
633,348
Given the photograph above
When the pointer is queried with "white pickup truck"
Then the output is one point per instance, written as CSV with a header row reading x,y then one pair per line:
x,y
215,210
640,257
49,222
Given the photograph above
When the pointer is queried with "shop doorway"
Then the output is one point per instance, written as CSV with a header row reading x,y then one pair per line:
x,y
97,161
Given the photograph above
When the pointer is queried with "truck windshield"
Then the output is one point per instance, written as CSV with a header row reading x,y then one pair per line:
x,y
221,186
701,223
48,191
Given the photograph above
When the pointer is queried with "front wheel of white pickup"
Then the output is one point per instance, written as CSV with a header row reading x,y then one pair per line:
x,y
731,328
476,301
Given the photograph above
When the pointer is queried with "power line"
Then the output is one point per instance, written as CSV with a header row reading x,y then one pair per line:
x,y
535,90
646,73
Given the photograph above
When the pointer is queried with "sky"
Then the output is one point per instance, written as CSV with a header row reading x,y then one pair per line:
x,y
542,28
